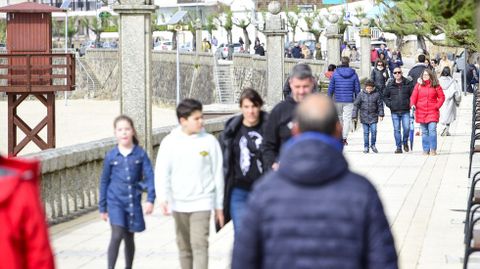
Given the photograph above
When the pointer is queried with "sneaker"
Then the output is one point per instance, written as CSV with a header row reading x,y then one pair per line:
x,y
399,150
433,153
374,149
405,148
345,143
365,150
425,153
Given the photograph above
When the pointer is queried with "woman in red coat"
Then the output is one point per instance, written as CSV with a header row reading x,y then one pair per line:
x,y
426,99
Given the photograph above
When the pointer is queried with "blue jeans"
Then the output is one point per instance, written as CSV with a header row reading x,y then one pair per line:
x,y
402,119
429,136
237,206
369,129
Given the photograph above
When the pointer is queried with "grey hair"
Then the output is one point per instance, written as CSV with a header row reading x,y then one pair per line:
x,y
301,71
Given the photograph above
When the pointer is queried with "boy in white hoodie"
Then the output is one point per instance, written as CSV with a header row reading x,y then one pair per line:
x,y
189,173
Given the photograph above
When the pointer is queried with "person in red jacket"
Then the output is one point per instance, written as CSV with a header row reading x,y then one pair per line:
x,y
373,55
426,100
24,242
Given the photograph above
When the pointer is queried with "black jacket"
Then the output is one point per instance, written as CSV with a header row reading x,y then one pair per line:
x,y
416,72
226,143
380,78
397,96
314,213
370,106
278,129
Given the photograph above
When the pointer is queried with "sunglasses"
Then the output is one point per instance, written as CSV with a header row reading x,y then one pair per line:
x,y
398,72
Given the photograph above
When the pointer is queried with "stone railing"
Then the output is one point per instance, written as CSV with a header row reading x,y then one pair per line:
x,y
71,175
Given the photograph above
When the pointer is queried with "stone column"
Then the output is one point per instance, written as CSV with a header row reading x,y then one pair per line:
x,y
275,33
135,50
333,40
198,36
365,39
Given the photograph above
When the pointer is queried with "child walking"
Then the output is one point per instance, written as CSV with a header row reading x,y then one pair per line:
x,y
190,173
370,105
126,172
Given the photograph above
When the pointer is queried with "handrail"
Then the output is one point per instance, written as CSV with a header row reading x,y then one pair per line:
x,y
88,75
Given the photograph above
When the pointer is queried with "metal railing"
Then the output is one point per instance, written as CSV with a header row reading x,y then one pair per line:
x,y
89,78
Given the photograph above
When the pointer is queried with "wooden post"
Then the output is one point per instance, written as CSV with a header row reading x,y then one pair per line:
x,y
51,120
12,129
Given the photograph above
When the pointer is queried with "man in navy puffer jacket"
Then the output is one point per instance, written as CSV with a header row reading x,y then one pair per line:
x,y
314,212
344,86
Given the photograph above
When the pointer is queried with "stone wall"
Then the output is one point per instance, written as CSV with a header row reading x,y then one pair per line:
x,y
196,75
70,175
251,71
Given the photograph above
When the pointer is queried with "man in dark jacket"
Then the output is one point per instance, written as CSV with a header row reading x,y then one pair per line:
x,y
314,212
296,51
417,69
345,86
397,98
278,128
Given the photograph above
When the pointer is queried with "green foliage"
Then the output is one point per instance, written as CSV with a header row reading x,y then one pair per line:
x,y
210,25
227,23
97,26
315,24
293,18
3,30
454,18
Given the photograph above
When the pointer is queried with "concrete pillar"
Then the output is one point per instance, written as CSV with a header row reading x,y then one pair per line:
x,y
198,36
365,39
275,33
333,40
135,66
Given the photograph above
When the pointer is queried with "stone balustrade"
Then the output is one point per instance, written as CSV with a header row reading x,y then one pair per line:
x,y
71,175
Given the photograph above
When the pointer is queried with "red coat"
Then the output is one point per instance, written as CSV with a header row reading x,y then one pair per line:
x,y
427,101
24,240
373,55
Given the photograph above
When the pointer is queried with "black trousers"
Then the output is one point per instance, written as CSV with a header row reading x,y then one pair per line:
x,y
118,234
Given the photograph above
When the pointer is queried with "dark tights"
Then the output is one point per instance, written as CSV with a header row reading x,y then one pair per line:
x,y
119,233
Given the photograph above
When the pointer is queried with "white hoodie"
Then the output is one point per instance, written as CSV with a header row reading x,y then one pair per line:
x,y
188,171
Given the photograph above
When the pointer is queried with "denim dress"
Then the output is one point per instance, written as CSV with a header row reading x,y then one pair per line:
x,y
122,182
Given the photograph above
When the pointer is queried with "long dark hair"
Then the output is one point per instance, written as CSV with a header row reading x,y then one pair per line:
x,y
446,72
130,121
433,78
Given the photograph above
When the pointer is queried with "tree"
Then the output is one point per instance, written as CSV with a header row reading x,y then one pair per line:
x,y
454,18
97,26
293,18
243,24
169,29
227,24
210,25
72,29
3,30
315,24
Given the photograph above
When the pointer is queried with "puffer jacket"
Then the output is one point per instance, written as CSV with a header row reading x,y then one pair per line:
x,y
370,106
314,213
417,71
397,96
344,85
427,101
380,78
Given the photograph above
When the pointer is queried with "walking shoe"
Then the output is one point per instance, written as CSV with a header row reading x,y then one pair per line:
x,y
405,148
374,149
345,143
425,153
433,153
365,150
399,150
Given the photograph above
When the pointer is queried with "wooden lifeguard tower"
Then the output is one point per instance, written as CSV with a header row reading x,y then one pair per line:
x,y
30,68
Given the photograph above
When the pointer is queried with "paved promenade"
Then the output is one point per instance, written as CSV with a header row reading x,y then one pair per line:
x,y
424,198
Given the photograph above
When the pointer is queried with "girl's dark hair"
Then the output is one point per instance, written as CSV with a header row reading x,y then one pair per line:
x,y
130,121
331,67
433,78
187,107
252,95
369,82
446,72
